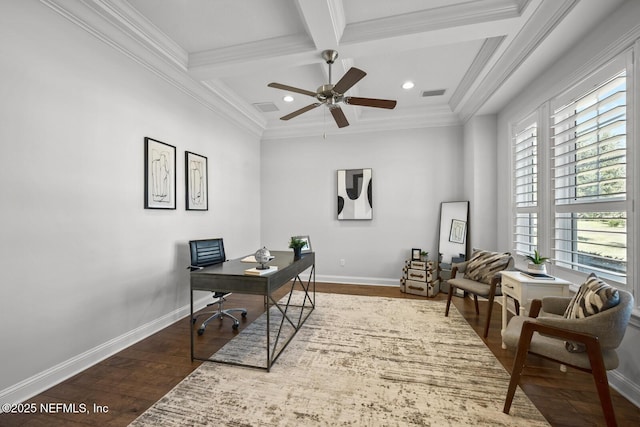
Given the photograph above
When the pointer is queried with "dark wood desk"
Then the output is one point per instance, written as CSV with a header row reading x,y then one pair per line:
x,y
230,277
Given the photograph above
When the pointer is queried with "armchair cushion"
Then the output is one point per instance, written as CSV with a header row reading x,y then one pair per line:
x,y
593,297
556,306
483,265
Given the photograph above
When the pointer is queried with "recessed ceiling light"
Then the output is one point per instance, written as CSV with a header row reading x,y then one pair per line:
x,y
407,85
288,98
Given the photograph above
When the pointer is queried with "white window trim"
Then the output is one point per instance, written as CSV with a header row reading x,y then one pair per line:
x,y
630,59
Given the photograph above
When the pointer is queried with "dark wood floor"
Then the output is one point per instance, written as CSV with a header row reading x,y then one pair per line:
x,y
126,384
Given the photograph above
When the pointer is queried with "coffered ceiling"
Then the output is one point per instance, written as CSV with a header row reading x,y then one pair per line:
x,y
225,52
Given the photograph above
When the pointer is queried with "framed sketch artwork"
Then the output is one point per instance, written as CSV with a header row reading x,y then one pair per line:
x,y
196,182
159,175
458,230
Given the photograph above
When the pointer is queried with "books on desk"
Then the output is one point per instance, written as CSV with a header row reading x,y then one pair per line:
x,y
540,276
252,258
258,272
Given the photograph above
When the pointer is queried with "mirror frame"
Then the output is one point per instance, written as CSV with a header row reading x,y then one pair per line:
x,y
454,226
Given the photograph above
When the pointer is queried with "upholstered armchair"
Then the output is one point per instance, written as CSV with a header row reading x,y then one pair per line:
x,y
582,332
481,278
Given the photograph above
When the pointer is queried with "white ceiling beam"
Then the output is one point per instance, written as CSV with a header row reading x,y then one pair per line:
x,y
541,22
324,20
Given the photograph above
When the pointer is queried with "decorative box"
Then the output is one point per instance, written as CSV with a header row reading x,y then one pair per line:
x,y
427,289
418,279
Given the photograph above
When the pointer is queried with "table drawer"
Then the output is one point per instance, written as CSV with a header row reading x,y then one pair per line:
x,y
511,287
419,275
418,265
427,289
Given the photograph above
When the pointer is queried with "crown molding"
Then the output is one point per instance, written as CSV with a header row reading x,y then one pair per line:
x,y
423,117
294,49
455,15
226,94
113,23
486,52
540,24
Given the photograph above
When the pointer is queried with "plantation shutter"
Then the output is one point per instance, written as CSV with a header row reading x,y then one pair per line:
x,y
589,158
525,186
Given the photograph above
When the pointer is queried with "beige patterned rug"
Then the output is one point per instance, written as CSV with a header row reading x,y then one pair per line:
x,y
357,361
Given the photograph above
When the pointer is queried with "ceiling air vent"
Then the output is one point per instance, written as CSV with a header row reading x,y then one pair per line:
x,y
437,92
266,107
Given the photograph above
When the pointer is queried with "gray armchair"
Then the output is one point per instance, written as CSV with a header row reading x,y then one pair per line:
x,y
481,278
588,344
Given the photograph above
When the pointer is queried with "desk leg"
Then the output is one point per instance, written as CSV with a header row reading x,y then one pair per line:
x,y
191,323
270,297
504,317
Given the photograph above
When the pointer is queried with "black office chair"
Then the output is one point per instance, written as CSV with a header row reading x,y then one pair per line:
x,y
203,254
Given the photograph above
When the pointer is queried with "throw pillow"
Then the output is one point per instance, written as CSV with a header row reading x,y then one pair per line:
x,y
483,265
593,297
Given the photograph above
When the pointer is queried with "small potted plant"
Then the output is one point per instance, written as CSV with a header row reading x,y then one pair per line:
x,y
537,263
297,245
424,256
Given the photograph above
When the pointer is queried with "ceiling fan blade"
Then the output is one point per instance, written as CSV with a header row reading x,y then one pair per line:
x,y
338,116
370,102
351,77
300,111
292,89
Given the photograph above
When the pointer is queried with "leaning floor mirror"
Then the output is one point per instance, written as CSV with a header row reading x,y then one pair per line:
x,y
453,244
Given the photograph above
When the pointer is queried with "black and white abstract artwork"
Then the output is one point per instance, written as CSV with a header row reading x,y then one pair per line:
x,y
355,194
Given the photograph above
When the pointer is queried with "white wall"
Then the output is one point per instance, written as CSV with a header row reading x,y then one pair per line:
x,y
616,33
413,171
84,269
480,175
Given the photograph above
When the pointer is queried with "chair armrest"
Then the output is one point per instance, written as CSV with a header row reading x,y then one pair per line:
x,y
555,305
534,310
591,342
458,266
580,326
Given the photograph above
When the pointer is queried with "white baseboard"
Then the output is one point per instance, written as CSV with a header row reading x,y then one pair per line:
x,y
350,280
44,380
623,386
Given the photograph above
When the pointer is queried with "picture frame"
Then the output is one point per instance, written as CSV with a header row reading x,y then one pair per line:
x,y
458,231
196,182
354,194
159,175
415,254
307,247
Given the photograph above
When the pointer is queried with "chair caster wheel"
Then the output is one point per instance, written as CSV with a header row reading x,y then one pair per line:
x,y
244,314
200,331
235,326
193,321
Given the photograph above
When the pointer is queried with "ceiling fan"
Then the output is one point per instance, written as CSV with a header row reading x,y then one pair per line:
x,y
333,95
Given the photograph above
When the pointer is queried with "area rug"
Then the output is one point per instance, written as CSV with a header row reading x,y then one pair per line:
x,y
357,361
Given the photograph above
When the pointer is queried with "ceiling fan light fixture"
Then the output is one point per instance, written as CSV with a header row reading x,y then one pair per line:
x,y
332,95
408,85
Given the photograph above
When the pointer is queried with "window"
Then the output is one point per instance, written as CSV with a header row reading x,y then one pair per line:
x,y
525,186
589,173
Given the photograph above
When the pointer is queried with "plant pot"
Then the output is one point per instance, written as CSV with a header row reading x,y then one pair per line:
x,y
297,252
537,268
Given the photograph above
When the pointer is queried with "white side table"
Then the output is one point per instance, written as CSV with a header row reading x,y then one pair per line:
x,y
524,289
